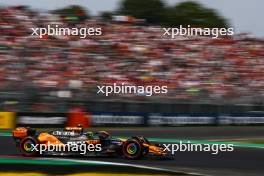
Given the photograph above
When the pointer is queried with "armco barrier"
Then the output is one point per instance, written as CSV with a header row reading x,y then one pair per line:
x,y
181,119
118,119
251,118
41,120
58,120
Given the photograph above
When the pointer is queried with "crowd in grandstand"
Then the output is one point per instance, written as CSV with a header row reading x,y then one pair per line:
x,y
197,67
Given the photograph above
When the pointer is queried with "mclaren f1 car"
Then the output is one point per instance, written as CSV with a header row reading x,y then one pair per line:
x,y
30,142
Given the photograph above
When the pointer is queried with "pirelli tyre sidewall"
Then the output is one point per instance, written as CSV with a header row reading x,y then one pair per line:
x,y
26,146
132,149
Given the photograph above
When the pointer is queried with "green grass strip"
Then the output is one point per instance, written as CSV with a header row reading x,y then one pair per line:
x,y
42,162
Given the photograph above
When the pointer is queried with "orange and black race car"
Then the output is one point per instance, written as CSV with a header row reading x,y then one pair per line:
x,y
79,142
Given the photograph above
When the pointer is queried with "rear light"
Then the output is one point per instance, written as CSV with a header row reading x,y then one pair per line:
x,y
20,133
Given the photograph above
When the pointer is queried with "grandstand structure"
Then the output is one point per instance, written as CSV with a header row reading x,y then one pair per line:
x,y
53,72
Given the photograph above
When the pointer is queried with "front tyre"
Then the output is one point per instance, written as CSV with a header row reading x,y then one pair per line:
x,y
29,147
132,149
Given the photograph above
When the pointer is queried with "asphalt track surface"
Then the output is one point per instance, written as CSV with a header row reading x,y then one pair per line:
x,y
240,162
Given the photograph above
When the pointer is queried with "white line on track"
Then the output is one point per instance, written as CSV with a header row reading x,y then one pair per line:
x,y
121,164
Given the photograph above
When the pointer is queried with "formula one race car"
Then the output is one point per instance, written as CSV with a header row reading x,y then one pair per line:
x,y
79,142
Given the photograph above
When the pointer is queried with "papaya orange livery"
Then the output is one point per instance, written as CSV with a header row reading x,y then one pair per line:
x,y
30,142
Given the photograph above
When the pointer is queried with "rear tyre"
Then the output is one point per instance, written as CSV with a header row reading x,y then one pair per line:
x,y
141,140
28,147
132,149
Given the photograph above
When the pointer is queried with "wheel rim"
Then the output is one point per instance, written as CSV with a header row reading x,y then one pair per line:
x,y
29,146
132,148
